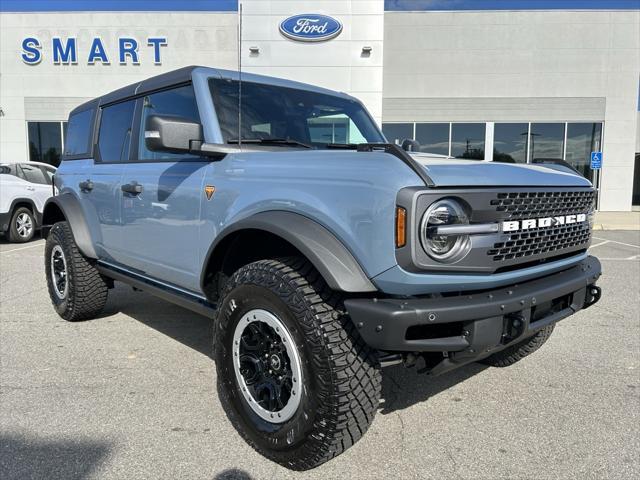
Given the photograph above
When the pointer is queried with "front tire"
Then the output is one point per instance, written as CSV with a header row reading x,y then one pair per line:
x,y
517,352
23,225
76,288
314,390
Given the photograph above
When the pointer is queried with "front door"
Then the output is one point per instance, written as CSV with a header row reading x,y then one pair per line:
x,y
161,197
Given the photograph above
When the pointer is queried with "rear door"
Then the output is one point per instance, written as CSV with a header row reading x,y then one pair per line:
x,y
38,186
161,209
99,182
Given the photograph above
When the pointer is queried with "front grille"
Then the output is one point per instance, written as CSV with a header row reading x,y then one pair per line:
x,y
545,241
516,205
540,241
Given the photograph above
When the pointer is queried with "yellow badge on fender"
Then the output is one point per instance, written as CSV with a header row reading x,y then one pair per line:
x,y
208,190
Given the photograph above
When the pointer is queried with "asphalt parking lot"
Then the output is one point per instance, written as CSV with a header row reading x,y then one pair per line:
x,y
132,395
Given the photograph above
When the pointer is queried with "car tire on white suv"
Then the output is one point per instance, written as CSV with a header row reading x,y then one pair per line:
x,y
23,225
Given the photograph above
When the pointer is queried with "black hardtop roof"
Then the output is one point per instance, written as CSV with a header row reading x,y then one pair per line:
x,y
154,83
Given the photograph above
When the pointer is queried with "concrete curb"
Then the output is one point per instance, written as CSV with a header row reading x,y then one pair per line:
x,y
616,227
617,221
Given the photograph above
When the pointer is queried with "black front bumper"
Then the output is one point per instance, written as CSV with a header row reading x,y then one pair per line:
x,y
472,326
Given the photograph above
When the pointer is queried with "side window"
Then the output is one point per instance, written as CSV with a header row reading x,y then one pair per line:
x,y
180,102
114,137
77,134
33,174
48,174
10,169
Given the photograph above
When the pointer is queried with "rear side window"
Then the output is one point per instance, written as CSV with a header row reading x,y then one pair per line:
x,y
10,169
48,174
33,174
114,137
78,132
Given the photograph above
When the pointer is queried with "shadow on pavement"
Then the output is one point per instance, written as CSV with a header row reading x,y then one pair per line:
x,y
233,474
23,457
401,387
192,330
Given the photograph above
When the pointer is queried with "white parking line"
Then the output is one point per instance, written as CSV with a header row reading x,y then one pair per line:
x,y
599,244
619,243
22,248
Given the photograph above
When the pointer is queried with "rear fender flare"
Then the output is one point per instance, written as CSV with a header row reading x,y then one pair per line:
x,y
70,207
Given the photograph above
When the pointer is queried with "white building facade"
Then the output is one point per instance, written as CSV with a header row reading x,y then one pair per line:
x,y
493,80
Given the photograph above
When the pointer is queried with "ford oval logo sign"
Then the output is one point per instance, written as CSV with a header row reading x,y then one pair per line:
x,y
310,27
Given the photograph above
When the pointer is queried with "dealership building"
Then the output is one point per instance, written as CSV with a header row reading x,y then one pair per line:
x,y
492,80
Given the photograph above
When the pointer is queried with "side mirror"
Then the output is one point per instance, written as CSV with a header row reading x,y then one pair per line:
x,y
409,145
170,133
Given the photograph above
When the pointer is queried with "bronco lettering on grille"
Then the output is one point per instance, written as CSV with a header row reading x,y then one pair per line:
x,y
528,224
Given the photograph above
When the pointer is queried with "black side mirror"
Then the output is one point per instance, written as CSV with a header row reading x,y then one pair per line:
x,y
409,145
170,133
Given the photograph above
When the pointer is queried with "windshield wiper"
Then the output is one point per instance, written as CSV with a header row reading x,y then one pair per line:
x,y
345,146
271,141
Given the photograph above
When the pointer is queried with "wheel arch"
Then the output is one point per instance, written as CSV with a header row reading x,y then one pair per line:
x,y
281,233
66,207
28,203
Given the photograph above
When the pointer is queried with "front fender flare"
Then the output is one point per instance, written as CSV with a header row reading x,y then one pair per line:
x,y
328,255
72,211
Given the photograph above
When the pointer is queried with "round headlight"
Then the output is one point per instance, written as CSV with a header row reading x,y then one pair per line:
x,y
444,247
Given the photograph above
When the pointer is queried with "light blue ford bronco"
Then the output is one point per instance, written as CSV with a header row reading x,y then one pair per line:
x,y
321,252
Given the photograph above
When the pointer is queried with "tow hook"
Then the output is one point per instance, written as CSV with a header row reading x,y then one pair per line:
x,y
593,295
514,325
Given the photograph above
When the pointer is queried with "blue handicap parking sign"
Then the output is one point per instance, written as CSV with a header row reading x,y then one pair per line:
x,y
596,160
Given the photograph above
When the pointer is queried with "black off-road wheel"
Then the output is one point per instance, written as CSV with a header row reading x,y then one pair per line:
x,y
23,225
517,352
296,380
76,288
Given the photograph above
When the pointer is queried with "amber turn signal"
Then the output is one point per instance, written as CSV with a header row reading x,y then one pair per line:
x,y
401,227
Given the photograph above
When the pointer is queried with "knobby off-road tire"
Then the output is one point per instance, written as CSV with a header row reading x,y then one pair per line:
x,y
341,378
517,352
85,292
23,225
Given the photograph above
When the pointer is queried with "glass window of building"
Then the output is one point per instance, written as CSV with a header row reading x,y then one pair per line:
x,y
45,142
546,141
433,137
582,139
510,142
397,132
467,140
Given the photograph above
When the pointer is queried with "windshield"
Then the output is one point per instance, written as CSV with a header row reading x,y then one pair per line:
x,y
290,117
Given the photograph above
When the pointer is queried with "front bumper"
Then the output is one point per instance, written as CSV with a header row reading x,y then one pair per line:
x,y
472,326
5,219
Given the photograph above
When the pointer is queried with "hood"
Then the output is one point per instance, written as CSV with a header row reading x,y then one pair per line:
x,y
448,172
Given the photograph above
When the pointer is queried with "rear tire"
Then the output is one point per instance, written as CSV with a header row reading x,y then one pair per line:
x,y
517,352
337,394
76,288
23,225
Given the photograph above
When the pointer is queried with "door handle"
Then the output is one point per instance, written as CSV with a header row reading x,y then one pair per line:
x,y
86,186
134,188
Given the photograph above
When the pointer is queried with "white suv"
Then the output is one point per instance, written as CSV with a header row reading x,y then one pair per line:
x,y
24,188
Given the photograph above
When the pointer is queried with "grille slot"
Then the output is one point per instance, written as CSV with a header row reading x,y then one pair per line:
x,y
517,205
543,241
